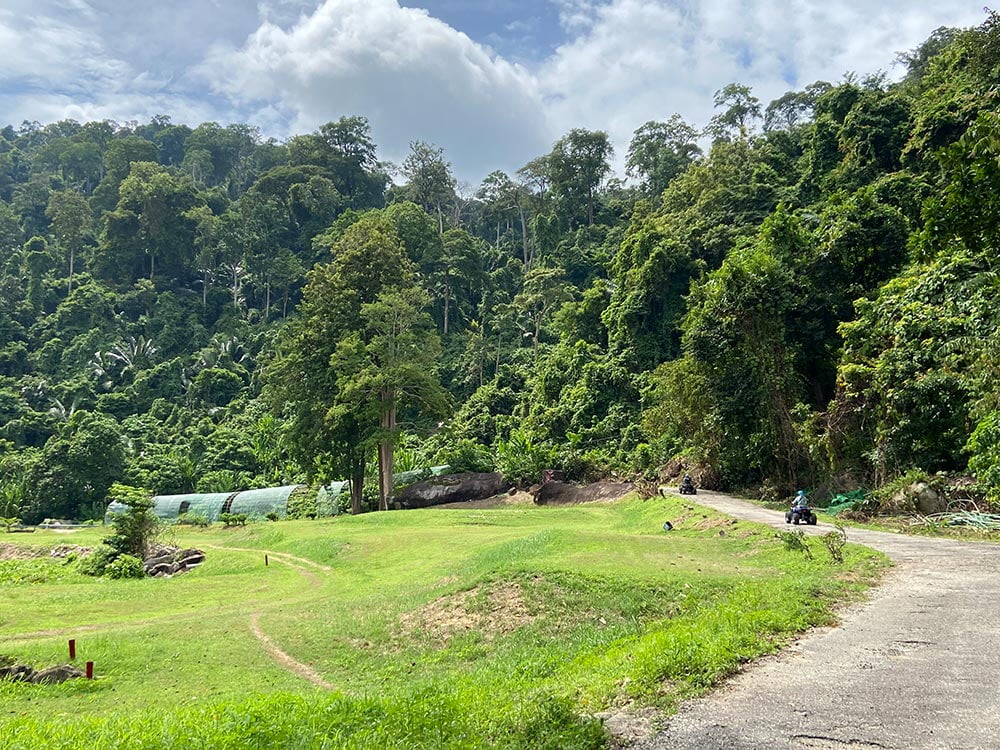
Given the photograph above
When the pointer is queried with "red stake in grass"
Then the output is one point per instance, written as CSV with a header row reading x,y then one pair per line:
x,y
72,649
90,670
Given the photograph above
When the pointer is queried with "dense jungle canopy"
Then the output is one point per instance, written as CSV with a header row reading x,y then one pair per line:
x,y
804,292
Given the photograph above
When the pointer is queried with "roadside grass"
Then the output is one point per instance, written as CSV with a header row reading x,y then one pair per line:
x,y
440,628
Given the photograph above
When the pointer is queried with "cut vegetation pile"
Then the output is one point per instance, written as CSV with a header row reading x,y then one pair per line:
x,y
470,628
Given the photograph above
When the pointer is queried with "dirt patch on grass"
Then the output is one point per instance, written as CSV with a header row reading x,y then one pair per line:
x,y
497,501
490,609
304,671
563,493
60,551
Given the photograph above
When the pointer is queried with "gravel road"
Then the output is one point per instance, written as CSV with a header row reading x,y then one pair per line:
x,y
915,666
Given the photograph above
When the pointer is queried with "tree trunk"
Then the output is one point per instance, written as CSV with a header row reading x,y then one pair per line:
x,y
204,290
236,288
267,300
385,449
152,265
447,301
590,207
284,306
524,239
71,259
357,484
440,220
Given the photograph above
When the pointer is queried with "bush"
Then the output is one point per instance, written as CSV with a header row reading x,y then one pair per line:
x,y
984,450
193,518
234,519
835,541
97,562
465,455
272,516
520,459
136,527
9,523
126,566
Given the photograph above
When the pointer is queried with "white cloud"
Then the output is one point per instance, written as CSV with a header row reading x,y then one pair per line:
x,y
412,75
638,60
290,65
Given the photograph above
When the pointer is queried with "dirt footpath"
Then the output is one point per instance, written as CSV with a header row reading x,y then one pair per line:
x,y
916,666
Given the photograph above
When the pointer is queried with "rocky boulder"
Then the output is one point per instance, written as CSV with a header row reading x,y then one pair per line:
x,y
169,561
921,497
452,488
48,676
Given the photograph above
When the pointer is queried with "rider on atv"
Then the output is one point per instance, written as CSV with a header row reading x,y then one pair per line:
x,y
800,500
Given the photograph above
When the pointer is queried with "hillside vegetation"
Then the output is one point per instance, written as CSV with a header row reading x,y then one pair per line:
x,y
803,294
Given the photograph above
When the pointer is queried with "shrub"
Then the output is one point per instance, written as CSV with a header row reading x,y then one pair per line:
x,y
97,562
126,566
795,541
193,518
9,523
520,459
272,516
465,455
234,519
136,527
834,541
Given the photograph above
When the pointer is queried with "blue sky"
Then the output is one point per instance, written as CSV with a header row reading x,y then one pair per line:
x,y
521,30
494,83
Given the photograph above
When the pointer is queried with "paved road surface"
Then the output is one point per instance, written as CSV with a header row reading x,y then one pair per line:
x,y
917,666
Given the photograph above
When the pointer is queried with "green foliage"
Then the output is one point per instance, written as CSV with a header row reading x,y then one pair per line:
x,y
795,541
203,308
125,566
522,460
463,455
136,527
193,518
234,519
984,450
9,523
835,541
97,562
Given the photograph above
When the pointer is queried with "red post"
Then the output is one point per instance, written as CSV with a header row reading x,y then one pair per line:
x,y
90,670
265,560
72,649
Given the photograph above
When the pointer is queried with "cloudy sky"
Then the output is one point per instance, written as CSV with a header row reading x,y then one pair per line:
x,y
493,82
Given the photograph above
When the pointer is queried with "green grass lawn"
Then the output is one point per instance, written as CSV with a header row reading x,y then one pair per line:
x,y
438,628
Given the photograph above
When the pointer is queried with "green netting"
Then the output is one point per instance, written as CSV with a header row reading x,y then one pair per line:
x,y
262,502
209,505
328,498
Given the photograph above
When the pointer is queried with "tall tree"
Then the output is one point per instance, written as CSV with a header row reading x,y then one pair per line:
x,y
660,151
71,224
577,166
430,182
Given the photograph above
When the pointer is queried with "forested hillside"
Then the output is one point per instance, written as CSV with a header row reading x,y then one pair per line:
x,y
805,292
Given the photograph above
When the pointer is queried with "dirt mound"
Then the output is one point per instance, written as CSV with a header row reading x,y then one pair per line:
x,y
497,501
490,609
20,552
562,493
